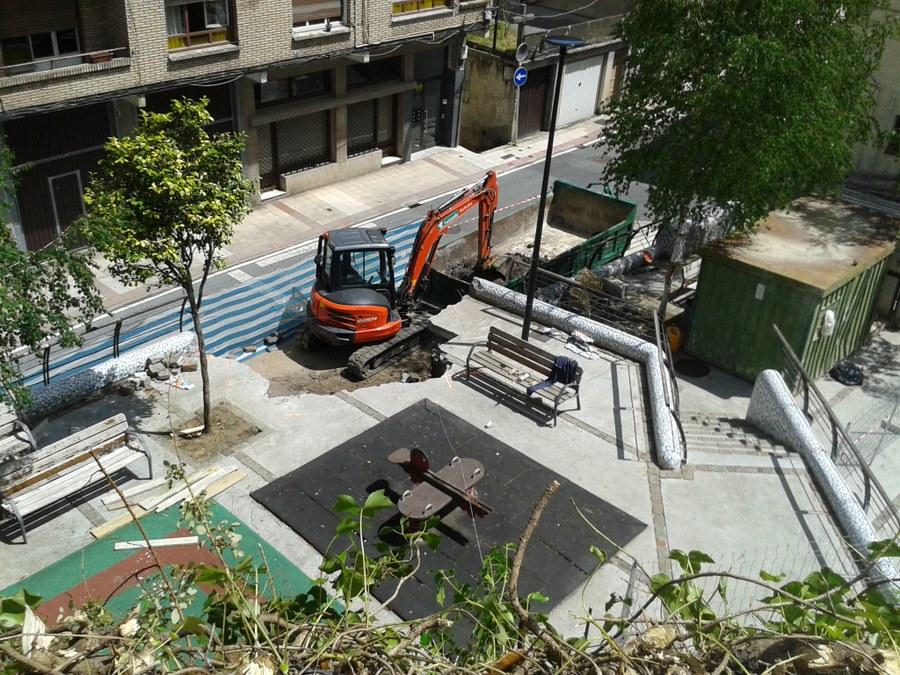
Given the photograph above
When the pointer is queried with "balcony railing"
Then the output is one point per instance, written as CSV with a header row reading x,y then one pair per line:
x,y
64,61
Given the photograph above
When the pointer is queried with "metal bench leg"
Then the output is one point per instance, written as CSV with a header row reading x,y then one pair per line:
x,y
142,449
15,512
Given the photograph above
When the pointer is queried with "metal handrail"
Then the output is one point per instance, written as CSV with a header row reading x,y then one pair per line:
x,y
108,327
664,354
841,443
64,61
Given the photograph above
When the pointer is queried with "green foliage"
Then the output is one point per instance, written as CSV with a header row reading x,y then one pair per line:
x,y
833,610
507,38
43,295
356,571
167,194
166,197
743,105
12,608
497,629
682,597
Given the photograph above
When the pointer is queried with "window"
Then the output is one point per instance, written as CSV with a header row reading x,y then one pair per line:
x,y
290,88
893,144
316,13
190,23
418,6
382,70
370,126
37,46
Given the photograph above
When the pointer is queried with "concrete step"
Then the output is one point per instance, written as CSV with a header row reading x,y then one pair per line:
x,y
711,432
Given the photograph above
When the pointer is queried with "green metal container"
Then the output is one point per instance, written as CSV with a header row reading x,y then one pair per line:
x,y
606,221
820,256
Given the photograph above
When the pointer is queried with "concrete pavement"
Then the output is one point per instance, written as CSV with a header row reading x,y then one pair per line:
x,y
751,506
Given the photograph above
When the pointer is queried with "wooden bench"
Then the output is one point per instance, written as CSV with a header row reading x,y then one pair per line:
x,y
15,436
689,272
33,480
518,364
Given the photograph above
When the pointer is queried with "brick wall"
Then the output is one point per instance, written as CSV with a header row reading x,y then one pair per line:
x,y
262,32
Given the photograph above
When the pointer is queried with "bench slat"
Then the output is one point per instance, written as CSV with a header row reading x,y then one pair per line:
x,y
24,472
528,365
496,367
53,490
84,438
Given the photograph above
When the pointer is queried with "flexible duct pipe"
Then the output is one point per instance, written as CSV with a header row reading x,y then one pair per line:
x,y
665,433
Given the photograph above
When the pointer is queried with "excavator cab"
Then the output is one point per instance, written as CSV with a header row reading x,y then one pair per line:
x,y
354,296
355,299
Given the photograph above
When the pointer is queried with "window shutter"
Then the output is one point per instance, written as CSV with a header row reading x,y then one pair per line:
x,y
316,10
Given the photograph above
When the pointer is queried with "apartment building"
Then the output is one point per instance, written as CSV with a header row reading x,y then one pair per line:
x,y
876,167
323,89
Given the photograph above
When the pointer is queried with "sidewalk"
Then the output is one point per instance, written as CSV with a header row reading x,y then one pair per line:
x,y
280,224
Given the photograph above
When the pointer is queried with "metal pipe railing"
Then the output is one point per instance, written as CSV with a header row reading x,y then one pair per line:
x,y
844,452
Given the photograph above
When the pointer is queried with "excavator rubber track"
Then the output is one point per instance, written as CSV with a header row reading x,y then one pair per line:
x,y
367,361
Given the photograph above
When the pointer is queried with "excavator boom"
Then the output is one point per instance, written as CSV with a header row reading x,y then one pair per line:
x,y
484,195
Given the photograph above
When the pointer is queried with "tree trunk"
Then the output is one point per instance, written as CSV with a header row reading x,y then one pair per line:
x,y
201,355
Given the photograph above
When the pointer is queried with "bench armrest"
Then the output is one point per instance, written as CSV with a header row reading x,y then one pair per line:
x,y
472,349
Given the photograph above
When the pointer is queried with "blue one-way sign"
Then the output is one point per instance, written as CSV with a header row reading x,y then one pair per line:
x,y
520,76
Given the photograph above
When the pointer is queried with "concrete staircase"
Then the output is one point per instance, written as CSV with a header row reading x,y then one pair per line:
x,y
714,439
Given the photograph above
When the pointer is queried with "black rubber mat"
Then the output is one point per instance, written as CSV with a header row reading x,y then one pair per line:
x,y
558,558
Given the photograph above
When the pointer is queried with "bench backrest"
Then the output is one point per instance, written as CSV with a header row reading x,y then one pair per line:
x,y
20,472
520,350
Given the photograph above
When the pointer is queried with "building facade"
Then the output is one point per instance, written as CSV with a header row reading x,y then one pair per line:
x,y
593,73
876,167
323,89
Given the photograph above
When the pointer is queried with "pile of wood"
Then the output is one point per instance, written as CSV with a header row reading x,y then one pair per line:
x,y
157,495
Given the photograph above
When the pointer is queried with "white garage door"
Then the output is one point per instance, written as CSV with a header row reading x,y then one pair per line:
x,y
580,87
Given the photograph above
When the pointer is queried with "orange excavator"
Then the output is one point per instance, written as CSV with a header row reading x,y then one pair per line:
x,y
355,300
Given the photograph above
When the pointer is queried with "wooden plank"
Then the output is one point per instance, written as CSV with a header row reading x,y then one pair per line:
x,y
195,488
61,451
117,522
212,490
224,483
509,376
114,501
30,474
70,483
149,502
156,543
93,435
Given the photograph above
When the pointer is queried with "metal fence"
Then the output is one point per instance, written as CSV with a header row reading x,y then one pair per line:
x,y
852,466
106,338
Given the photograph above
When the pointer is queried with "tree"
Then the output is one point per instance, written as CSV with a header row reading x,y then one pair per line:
x,y
743,105
166,197
43,294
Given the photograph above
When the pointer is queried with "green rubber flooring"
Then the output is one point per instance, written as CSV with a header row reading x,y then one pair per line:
x,y
116,579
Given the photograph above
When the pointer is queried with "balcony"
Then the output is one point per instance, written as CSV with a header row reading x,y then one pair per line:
x,y
64,65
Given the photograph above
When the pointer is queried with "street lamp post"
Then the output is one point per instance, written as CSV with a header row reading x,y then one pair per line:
x,y
563,43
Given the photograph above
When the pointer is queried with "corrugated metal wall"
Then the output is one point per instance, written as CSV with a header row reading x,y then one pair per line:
x,y
736,306
853,305
733,313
